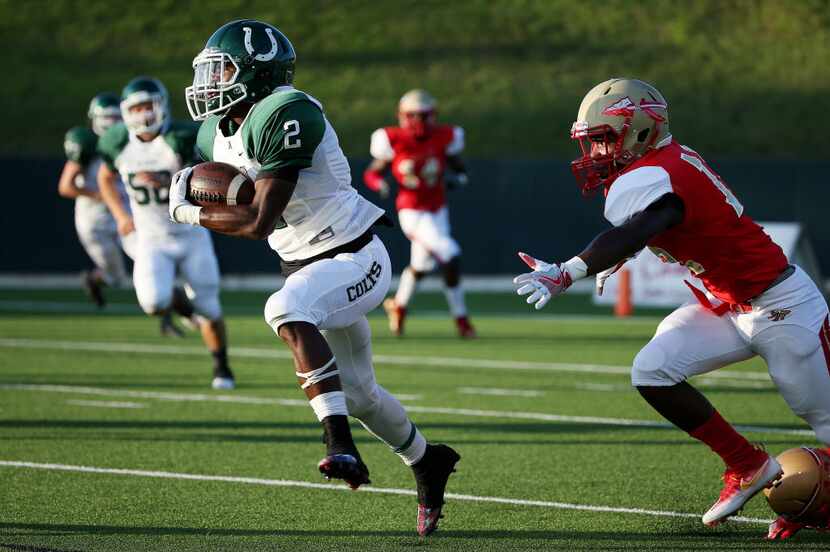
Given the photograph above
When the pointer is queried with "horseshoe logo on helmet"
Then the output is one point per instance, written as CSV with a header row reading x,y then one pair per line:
x,y
250,47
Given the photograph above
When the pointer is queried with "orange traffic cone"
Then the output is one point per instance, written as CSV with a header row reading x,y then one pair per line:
x,y
623,307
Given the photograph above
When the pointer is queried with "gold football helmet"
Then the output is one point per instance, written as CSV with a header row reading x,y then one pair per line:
x,y
803,492
619,121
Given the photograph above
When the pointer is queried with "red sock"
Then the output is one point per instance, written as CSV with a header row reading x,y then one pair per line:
x,y
727,443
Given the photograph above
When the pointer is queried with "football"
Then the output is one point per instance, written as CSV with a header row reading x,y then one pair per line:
x,y
213,184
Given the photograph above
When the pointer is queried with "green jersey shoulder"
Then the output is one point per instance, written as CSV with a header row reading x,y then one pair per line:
x,y
179,135
80,145
112,143
283,130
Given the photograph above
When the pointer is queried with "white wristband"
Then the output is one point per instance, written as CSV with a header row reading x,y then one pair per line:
x,y
188,214
577,268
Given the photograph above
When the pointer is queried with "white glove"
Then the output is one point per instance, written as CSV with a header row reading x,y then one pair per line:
x,y
180,209
456,181
384,190
546,281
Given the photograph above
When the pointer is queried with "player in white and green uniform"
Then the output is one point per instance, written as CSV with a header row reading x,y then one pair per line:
x,y
93,222
337,269
146,150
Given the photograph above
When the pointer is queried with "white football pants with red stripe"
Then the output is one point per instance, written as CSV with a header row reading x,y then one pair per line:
x,y
788,327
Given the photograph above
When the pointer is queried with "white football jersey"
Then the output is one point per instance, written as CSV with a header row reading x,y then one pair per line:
x,y
146,168
288,129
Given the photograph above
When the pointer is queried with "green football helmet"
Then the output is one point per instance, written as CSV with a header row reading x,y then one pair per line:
x,y
242,60
619,121
104,111
143,90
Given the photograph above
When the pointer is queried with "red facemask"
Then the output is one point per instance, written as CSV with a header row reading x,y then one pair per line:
x,y
599,164
418,123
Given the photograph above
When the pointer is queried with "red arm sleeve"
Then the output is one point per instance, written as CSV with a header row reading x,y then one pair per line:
x,y
373,179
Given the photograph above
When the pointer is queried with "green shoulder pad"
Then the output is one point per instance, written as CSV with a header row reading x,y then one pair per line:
x,y
112,143
206,137
80,145
284,130
181,136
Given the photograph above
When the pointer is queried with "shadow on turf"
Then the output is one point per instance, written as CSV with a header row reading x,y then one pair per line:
x,y
698,539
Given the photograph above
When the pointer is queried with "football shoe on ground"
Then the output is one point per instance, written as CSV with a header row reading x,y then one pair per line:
x,y
739,486
431,475
347,467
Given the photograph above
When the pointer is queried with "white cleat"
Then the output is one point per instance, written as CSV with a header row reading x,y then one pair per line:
x,y
225,384
739,487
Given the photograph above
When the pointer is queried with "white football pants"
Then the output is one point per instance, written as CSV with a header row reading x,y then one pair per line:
x,y
335,295
788,327
158,260
99,237
430,236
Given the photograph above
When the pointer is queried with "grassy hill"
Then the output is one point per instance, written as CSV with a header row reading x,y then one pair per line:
x,y
742,76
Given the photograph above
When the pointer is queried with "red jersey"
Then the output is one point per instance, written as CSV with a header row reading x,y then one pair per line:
x,y
733,256
418,165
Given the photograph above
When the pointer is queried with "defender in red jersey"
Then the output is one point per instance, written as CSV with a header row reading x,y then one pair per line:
x,y
418,153
661,195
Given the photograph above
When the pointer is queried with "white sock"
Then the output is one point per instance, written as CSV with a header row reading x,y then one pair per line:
x,y
455,299
413,450
406,287
332,403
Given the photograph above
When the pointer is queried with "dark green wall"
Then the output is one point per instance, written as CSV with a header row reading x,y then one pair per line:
x,y
510,205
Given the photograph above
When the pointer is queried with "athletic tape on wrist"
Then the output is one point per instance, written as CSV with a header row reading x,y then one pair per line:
x,y
577,268
188,214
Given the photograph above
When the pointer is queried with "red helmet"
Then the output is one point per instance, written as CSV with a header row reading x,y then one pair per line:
x,y
416,112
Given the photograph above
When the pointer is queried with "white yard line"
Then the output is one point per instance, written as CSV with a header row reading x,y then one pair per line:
x,y
499,392
380,490
499,414
444,362
107,404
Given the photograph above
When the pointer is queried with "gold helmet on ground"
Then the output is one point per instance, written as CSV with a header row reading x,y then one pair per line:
x,y
803,492
619,121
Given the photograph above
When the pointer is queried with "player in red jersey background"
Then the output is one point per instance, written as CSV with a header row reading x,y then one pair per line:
x,y
418,151
662,195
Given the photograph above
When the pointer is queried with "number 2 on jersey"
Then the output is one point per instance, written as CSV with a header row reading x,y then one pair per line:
x,y
691,156
292,129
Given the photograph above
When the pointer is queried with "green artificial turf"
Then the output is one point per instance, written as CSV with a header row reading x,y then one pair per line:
x,y
63,392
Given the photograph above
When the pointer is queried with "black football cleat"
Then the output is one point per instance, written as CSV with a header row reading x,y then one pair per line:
x,y
431,475
346,467
94,288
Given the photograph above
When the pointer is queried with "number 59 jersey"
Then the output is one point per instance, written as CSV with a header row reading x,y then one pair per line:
x,y
418,165
719,244
146,168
